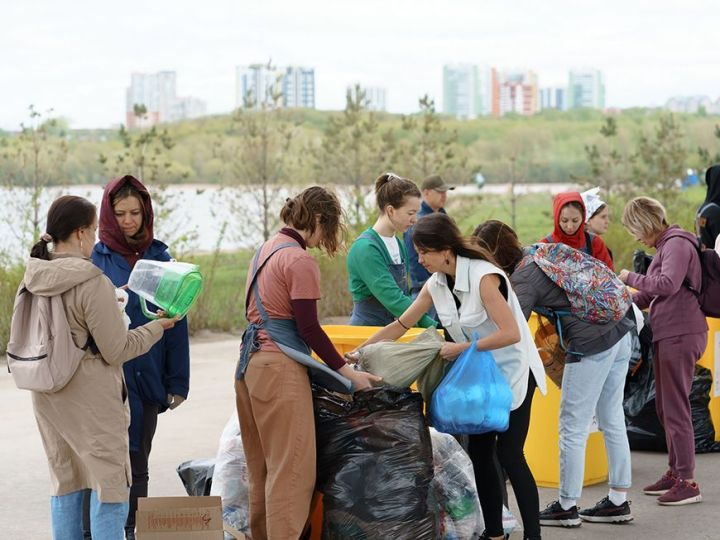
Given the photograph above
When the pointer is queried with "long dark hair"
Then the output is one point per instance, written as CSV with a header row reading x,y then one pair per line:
x,y
500,240
437,231
316,207
66,215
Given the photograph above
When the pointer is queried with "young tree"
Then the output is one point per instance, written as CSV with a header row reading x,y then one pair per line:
x,y
259,161
432,148
354,151
661,158
33,161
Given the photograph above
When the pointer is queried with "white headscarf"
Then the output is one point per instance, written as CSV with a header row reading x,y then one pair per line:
x,y
592,202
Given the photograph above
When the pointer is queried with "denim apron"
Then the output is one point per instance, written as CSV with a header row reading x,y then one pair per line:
x,y
369,311
284,333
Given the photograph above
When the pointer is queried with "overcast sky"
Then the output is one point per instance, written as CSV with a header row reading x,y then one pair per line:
x,y
77,56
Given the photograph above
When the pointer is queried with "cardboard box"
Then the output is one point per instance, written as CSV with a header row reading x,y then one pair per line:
x,y
179,518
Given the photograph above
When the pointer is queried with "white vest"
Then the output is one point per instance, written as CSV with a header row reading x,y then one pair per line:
x,y
514,360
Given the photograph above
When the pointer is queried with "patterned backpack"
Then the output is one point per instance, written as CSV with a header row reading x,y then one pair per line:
x,y
595,293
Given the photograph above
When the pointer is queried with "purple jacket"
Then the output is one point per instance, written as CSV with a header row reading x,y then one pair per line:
x,y
674,309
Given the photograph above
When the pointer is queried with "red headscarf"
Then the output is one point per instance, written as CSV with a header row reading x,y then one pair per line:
x,y
110,232
577,239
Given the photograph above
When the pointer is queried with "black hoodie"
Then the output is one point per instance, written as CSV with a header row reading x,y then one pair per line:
x,y
707,221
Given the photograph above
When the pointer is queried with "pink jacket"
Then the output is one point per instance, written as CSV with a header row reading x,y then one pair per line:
x,y
674,308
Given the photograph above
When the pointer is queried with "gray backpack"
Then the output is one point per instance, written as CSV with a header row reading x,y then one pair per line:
x,y
41,353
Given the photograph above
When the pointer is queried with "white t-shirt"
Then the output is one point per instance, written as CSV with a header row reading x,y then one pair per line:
x,y
393,248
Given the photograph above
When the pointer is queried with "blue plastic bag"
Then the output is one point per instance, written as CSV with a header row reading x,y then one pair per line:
x,y
473,398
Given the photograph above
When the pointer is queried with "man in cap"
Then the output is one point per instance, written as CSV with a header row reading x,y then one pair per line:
x,y
434,194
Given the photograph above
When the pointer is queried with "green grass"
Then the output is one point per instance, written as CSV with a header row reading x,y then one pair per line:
x,y
221,306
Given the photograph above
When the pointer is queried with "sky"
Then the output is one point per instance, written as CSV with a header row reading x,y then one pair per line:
x,y
76,57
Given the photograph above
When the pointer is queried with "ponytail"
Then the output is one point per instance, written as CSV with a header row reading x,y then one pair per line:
x,y
66,215
40,249
392,190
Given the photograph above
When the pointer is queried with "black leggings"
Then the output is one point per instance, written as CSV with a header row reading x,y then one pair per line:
x,y
507,448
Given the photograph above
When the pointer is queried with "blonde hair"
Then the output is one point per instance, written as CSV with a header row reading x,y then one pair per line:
x,y
644,216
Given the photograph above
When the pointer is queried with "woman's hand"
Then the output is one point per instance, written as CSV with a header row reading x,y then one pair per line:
x,y
166,323
352,357
623,275
450,351
174,401
361,380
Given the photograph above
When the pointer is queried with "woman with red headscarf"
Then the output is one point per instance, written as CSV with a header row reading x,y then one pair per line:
x,y
569,228
158,380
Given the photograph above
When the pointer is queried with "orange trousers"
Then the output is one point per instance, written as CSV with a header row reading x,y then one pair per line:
x,y
275,408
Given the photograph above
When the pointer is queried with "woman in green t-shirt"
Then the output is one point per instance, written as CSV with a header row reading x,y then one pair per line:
x,y
378,263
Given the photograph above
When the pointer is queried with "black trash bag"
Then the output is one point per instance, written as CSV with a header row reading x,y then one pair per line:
x,y
645,432
641,261
196,476
375,465
643,426
699,408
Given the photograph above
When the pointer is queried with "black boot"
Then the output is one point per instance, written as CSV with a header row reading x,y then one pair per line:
x,y
129,534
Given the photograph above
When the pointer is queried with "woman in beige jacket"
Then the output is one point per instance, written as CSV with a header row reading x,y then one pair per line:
x,y
84,426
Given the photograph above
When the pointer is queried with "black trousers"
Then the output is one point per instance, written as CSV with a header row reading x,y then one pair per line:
x,y
507,449
139,461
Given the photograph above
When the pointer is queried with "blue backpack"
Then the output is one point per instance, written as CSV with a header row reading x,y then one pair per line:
x,y
474,397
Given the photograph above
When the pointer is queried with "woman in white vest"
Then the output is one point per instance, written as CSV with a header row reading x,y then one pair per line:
x,y
472,295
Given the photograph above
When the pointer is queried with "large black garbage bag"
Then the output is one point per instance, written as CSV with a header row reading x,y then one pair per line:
x,y
643,426
375,465
196,476
699,408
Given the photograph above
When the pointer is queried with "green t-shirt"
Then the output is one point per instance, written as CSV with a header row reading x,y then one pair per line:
x,y
369,275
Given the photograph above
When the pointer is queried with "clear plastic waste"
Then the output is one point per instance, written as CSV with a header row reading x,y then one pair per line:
x,y
172,286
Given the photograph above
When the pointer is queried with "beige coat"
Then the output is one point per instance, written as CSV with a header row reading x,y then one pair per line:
x,y
84,426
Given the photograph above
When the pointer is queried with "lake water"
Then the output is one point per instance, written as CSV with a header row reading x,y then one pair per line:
x,y
201,212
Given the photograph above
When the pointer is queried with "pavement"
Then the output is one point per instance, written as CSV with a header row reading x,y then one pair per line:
x,y
192,431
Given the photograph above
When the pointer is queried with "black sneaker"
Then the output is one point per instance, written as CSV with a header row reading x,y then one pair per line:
x,y
555,516
606,512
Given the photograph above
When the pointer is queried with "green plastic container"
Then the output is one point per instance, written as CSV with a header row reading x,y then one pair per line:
x,y
172,286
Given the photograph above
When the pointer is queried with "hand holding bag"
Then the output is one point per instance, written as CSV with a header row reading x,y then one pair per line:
x,y
474,397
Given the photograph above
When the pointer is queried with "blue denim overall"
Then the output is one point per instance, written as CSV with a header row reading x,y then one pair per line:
x,y
369,311
284,333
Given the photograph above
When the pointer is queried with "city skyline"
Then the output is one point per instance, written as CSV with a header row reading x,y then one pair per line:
x,y
77,58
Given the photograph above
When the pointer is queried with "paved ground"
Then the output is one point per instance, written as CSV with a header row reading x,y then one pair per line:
x,y
192,431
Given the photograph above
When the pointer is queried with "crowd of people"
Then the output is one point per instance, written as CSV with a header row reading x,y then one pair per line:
x,y
98,430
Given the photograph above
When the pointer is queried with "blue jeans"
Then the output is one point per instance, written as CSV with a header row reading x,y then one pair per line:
x,y
107,520
594,385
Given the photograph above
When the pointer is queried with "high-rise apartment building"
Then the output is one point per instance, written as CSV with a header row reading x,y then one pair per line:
x,y
553,98
259,85
467,90
375,96
157,92
517,92
299,87
586,89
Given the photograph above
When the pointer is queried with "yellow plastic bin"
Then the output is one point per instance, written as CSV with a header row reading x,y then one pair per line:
x,y
542,449
711,360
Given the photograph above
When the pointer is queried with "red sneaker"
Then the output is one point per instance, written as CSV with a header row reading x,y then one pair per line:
x,y
662,486
683,492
